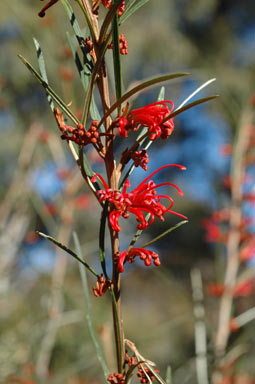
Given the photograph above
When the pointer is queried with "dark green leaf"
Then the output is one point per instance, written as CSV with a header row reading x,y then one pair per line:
x,y
68,250
84,79
50,91
165,233
116,58
131,8
108,19
191,105
43,70
102,238
140,87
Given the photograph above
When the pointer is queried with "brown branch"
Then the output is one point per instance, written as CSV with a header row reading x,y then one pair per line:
x,y
237,177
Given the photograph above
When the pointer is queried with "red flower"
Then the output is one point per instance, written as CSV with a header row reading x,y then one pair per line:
x,y
47,6
143,198
150,116
144,254
101,286
213,231
245,288
215,289
247,252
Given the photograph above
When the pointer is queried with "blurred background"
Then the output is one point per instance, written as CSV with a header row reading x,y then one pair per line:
x,y
43,310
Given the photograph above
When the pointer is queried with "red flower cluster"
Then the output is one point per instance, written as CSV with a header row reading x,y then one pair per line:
x,y
151,116
79,135
123,45
121,8
47,6
108,4
242,289
144,254
116,378
143,198
140,159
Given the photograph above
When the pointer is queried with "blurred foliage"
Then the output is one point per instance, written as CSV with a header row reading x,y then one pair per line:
x,y
41,298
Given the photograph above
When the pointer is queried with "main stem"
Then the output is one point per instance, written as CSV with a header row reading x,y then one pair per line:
x,y
116,306
113,179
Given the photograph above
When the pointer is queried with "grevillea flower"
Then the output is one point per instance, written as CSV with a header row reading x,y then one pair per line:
x,y
146,255
141,200
101,286
150,116
47,6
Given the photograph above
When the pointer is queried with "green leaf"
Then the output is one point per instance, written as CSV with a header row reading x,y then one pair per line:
x,y
157,377
116,58
68,250
191,105
92,80
140,87
50,91
84,79
89,318
43,70
195,92
102,238
165,233
108,19
131,370
88,62
161,95
131,8
88,16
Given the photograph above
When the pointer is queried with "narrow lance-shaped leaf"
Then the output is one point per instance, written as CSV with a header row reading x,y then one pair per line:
x,y
116,58
157,376
165,233
84,79
89,318
102,238
50,91
131,8
131,370
61,104
188,106
68,250
43,70
108,19
96,69
88,16
195,92
88,63
140,87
